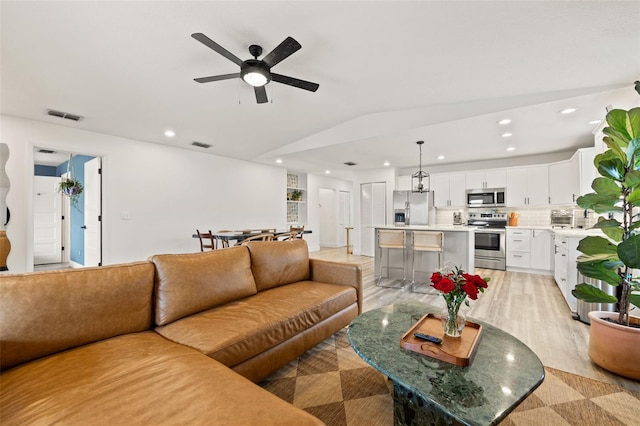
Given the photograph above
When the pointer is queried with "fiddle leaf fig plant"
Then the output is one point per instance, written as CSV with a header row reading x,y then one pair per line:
x,y
617,193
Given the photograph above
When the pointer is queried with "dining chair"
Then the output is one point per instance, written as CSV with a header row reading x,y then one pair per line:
x,y
223,243
298,229
206,240
259,237
286,236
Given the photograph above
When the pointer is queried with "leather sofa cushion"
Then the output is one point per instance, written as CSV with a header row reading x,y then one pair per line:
x,y
191,283
240,330
46,312
279,262
137,379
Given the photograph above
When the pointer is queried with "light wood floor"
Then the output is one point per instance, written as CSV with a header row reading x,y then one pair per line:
x,y
528,306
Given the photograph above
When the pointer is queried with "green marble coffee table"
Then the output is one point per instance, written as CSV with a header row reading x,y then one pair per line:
x,y
426,391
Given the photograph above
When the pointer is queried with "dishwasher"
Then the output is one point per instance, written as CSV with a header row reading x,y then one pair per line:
x,y
583,309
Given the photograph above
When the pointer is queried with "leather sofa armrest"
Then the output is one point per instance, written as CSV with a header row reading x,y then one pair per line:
x,y
341,273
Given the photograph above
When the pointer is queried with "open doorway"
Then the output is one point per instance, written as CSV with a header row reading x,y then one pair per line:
x,y
67,231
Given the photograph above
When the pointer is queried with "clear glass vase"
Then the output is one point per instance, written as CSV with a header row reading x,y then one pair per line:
x,y
452,320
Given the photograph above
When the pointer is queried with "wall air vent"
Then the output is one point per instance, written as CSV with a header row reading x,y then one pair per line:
x,y
66,115
350,163
46,151
200,144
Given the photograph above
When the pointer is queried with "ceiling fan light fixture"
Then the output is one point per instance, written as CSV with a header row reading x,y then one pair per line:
x,y
255,78
255,73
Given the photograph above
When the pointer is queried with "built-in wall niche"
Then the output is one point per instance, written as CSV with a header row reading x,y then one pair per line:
x,y
296,198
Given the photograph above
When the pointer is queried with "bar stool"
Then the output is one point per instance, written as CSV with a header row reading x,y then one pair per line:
x,y
426,241
391,239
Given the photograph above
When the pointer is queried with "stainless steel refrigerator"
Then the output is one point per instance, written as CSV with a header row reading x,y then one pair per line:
x,y
413,208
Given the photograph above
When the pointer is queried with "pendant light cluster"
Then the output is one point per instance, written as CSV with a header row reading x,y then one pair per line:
x,y
418,178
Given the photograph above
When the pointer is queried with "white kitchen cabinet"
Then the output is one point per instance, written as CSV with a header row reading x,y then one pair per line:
x,y
448,189
565,268
529,250
482,179
541,249
571,178
528,186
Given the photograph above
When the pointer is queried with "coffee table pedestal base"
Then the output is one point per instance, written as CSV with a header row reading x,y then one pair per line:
x,y
410,409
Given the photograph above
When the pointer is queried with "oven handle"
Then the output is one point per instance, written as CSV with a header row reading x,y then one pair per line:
x,y
491,230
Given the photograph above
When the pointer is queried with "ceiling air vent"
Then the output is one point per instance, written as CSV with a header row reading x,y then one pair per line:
x,y
350,163
200,144
64,115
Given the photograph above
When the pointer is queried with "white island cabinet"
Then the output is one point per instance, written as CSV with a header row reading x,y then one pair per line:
x,y
458,251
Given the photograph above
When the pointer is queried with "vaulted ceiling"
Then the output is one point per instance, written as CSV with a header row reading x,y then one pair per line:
x,y
390,73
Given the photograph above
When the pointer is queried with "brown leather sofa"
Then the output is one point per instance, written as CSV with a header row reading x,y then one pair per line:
x,y
175,340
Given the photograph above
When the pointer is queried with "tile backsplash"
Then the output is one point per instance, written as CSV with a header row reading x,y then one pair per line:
x,y
528,216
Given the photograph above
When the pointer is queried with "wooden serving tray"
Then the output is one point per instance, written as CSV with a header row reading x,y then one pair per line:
x,y
454,350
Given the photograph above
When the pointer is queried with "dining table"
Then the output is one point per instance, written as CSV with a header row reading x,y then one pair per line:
x,y
243,234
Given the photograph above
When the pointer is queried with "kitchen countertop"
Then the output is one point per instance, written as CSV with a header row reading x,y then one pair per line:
x,y
444,228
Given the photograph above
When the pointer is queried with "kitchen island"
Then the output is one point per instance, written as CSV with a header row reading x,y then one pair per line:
x,y
458,251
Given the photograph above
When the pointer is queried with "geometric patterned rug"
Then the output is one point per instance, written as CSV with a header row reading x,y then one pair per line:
x,y
334,384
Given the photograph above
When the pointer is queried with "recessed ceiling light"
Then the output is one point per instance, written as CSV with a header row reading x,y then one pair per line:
x,y
511,148
169,133
506,135
327,171
568,110
279,161
386,164
594,122
440,157
504,121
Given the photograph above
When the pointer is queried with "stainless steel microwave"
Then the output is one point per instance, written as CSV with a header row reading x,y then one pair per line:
x,y
486,197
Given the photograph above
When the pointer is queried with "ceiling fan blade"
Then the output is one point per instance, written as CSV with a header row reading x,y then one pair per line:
x,y
295,82
261,95
285,49
216,47
217,77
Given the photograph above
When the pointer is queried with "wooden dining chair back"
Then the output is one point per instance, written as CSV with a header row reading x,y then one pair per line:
x,y
286,236
259,237
297,229
207,241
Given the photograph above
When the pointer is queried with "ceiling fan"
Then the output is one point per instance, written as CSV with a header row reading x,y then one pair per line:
x,y
257,72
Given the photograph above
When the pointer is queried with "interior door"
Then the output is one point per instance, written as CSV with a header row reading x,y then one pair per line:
x,y
47,217
92,213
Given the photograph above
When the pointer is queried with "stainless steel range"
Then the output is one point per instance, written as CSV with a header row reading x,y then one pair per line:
x,y
490,251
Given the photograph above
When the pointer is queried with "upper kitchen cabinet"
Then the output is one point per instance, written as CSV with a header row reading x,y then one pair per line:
x,y
481,179
448,189
571,178
528,186
403,183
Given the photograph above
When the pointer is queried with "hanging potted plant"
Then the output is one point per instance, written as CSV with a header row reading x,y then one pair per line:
x,y
71,186
614,340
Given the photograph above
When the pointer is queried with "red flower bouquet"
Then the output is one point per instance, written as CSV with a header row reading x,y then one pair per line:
x,y
455,286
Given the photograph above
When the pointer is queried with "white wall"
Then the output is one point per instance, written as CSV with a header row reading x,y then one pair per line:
x,y
168,192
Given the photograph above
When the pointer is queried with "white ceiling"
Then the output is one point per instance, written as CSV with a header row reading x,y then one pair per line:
x,y
390,73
